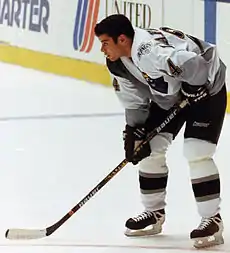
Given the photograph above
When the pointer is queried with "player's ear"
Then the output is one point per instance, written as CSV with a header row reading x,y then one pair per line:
x,y
122,38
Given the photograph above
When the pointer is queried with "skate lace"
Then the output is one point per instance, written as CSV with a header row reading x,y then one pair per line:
x,y
143,216
205,222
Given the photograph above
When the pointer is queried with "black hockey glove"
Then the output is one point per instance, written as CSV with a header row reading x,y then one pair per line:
x,y
132,137
194,93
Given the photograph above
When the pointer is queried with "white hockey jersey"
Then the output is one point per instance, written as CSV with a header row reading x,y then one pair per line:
x,y
160,60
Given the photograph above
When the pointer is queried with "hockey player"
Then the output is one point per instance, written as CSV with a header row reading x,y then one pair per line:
x,y
152,71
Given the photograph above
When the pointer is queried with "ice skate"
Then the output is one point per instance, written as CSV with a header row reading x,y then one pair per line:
x,y
209,232
146,223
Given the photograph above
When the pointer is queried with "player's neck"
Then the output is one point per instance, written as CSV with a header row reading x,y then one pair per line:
x,y
127,49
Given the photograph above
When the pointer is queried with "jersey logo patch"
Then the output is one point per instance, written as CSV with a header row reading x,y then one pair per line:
x,y
157,84
144,48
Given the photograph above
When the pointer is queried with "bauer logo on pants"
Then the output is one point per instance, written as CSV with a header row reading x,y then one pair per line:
x,y
86,19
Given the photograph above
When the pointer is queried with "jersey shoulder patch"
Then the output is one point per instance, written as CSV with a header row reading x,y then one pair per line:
x,y
144,48
116,85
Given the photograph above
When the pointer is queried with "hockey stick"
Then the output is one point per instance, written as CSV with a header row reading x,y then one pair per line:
x,y
26,234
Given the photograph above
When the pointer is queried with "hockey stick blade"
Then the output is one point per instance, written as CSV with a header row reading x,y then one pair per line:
x,y
27,234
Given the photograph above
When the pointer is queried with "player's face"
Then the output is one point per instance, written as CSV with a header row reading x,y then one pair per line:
x,y
113,51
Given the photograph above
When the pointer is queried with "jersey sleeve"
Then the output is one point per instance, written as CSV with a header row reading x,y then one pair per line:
x,y
182,65
135,104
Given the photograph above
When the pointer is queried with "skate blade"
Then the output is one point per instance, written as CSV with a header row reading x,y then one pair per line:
x,y
208,241
148,231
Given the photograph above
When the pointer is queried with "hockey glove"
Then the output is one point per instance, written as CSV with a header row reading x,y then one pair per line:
x,y
194,93
132,137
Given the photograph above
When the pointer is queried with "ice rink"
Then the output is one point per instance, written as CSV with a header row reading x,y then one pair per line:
x,y
58,138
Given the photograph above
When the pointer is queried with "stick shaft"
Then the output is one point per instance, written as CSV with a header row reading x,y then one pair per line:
x,y
36,233
119,167
97,188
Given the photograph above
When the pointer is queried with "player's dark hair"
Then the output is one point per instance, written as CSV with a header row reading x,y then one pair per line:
x,y
114,26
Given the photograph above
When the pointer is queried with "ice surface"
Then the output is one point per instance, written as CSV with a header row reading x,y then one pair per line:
x,y
52,155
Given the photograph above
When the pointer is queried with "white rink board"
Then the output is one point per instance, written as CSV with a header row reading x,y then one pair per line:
x,y
48,26
57,37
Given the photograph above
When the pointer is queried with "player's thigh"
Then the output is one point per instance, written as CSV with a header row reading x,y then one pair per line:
x,y
205,119
158,115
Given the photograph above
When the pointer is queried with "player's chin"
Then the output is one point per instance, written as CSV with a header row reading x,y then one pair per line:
x,y
112,58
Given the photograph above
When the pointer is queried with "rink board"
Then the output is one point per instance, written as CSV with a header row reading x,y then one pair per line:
x,y
39,34
80,69
88,71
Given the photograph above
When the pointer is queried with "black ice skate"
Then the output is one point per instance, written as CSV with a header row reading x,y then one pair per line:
x,y
209,232
146,223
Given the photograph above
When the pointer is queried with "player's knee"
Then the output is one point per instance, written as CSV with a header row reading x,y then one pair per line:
x,y
196,150
156,161
154,164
